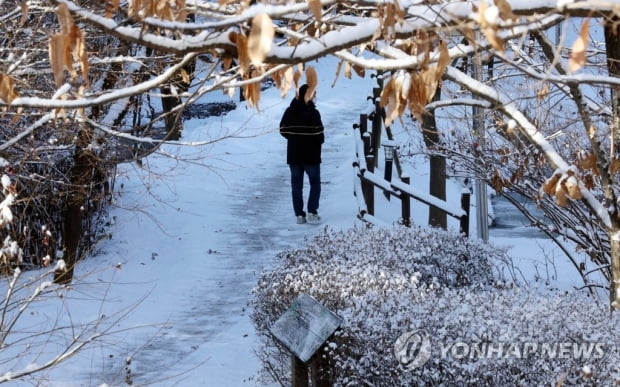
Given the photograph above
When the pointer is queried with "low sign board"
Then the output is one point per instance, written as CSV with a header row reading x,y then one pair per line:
x,y
305,326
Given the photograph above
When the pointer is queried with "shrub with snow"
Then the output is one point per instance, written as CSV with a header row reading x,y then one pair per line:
x,y
458,293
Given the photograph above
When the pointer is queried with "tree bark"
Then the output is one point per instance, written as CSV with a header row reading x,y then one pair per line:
x,y
612,44
83,164
174,124
437,178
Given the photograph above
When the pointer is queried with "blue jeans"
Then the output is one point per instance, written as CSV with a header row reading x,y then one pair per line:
x,y
297,187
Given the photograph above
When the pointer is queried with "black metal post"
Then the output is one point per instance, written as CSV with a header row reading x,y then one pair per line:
x,y
405,204
377,123
363,124
366,139
299,372
369,188
464,226
387,175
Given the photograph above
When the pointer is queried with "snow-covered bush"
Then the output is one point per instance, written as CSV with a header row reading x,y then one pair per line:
x,y
458,293
10,252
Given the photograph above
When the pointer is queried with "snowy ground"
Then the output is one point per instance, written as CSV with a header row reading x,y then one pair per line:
x,y
192,232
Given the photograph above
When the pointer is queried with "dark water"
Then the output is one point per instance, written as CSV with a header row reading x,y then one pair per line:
x,y
510,222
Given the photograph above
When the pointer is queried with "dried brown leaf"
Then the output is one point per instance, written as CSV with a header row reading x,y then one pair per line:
x,y
393,110
180,10
338,68
572,189
56,54
388,90
468,33
162,10
315,7
296,77
496,42
489,29
24,10
287,81
64,18
185,76
392,100
277,77
482,8
588,163
561,196
76,46
497,182
134,8
578,55
227,62
312,81
347,70
444,60
389,21
505,10
423,47
399,13
615,166
78,52
417,96
359,70
430,80
260,39
550,184
242,54
245,4
7,89
588,181
251,93
516,176
149,8
543,92
111,6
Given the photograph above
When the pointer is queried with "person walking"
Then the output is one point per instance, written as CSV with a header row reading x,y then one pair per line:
x,y
302,127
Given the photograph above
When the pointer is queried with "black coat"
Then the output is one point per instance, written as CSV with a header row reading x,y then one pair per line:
x,y
301,125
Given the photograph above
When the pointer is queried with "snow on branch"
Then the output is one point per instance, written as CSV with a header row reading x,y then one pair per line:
x,y
107,97
505,105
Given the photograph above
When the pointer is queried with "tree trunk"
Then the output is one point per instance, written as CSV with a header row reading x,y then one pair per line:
x,y
174,124
437,178
76,202
612,44
169,101
614,293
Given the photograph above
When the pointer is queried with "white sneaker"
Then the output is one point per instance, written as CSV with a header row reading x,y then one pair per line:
x,y
314,217
301,219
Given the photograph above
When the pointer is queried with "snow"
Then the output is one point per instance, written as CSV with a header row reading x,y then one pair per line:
x,y
192,228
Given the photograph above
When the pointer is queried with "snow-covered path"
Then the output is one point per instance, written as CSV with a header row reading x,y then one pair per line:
x,y
212,326
200,238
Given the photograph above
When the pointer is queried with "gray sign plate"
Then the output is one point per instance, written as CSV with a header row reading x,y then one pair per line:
x,y
305,326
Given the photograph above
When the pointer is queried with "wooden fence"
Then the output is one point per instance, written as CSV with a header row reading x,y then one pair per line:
x,y
367,145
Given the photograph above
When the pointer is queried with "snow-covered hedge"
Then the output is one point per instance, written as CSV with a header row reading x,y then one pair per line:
x,y
457,293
